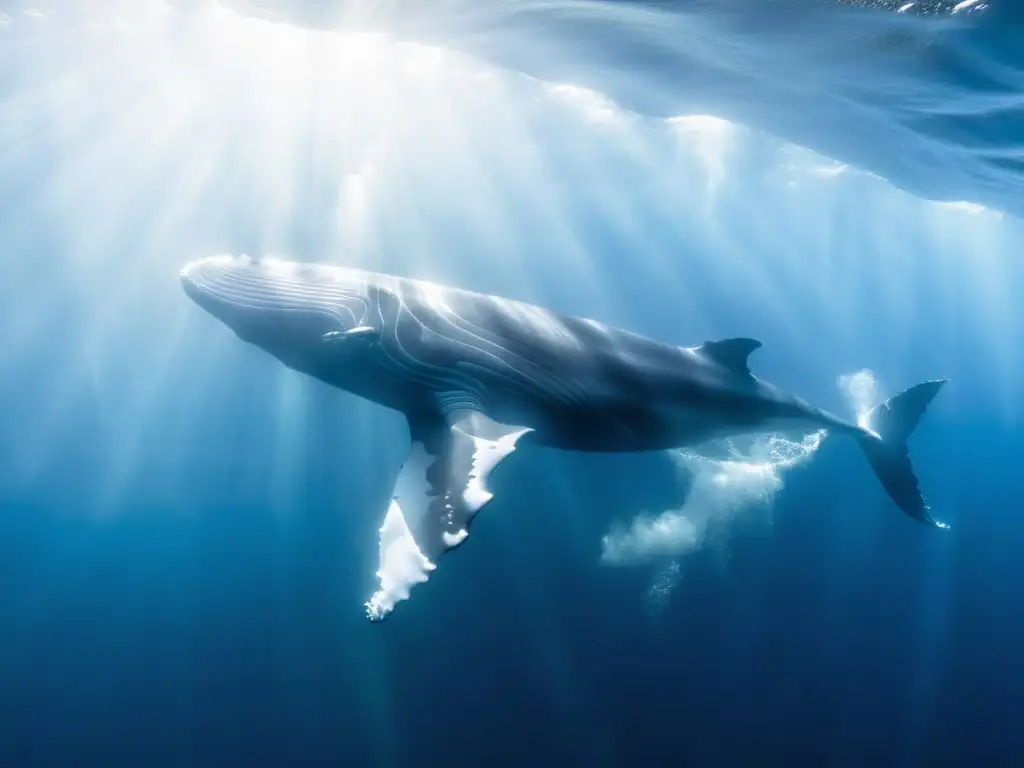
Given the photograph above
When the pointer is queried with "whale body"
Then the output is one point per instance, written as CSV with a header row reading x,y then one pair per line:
x,y
474,374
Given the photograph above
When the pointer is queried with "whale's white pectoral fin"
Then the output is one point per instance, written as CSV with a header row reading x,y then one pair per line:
x,y
441,487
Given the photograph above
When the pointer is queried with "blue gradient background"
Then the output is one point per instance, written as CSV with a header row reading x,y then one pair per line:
x,y
187,531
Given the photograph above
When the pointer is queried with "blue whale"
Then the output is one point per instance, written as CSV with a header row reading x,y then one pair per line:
x,y
474,374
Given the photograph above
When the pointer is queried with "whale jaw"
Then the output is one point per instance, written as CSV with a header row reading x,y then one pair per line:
x,y
284,307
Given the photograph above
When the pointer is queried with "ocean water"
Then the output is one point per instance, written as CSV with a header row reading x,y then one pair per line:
x,y
188,530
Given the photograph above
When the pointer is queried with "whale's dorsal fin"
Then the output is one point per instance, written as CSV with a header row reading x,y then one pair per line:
x,y
440,488
731,353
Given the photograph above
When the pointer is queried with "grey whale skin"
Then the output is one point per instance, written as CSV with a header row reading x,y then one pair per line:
x,y
475,373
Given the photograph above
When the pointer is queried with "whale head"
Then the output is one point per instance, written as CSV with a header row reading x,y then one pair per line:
x,y
287,308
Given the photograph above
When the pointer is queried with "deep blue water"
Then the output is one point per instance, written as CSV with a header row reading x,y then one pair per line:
x,y
187,530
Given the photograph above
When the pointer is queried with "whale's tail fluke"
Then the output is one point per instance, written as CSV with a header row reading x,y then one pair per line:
x,y
884,441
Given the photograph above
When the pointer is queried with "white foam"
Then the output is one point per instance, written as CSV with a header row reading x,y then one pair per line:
x,y
861,392
720,490
595,107
963,6
727,479
964,206
662,585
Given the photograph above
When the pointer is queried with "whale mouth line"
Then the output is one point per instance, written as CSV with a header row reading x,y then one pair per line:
x,y
273,303
241,282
